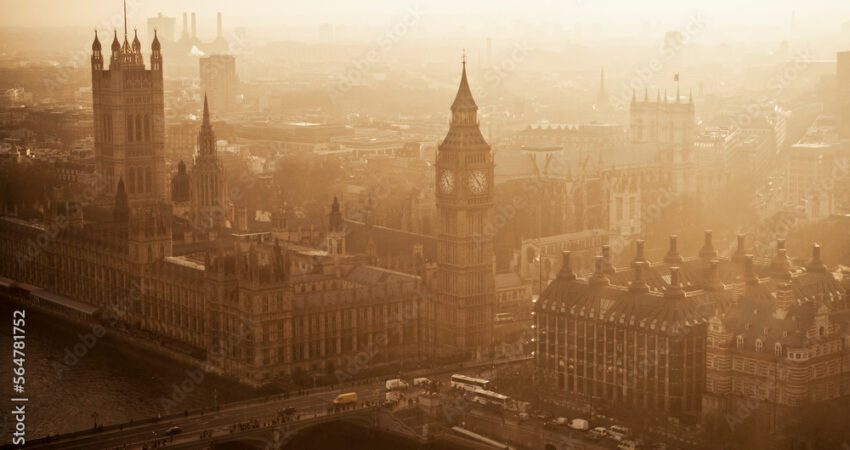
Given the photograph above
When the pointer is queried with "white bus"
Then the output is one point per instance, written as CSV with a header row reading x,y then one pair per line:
x,y
492,398
468,383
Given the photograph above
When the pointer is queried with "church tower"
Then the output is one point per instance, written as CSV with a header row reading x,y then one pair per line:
x,y
464,193
335,238
129,114
208,191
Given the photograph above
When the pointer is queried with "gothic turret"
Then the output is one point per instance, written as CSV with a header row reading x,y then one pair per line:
x,y
95,46
209,206
96,55
137,45
116,46
206,138
155,45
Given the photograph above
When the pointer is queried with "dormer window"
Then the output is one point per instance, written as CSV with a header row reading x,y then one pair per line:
x,y
759,345
777,349
740,342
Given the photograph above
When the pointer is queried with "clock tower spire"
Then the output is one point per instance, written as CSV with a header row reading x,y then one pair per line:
x,y
465,287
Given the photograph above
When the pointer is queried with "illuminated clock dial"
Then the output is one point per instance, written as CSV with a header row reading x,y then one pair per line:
x,y
477,182
447,181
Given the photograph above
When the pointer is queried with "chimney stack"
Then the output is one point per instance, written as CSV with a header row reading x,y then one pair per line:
x,y
194,27
781,265
672,255
708,250
598,278
741,252
675,288
218,26
566,272
816,264
638,285
185,26
712,279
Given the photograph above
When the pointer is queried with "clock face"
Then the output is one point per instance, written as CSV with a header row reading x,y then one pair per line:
x,y
447,181
477,182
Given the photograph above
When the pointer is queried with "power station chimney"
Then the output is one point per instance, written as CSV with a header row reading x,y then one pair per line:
x,y
218,27
194,27
185,26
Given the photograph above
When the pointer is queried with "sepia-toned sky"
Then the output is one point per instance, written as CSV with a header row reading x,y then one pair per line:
x,y
809,14
269,12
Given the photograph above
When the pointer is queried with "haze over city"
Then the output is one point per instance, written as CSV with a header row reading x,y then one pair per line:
x,y
425,225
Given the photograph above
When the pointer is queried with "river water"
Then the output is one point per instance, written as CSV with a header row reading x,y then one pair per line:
x,y
109,382
118,384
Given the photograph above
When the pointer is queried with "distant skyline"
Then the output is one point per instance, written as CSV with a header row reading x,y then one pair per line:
x,y
613,17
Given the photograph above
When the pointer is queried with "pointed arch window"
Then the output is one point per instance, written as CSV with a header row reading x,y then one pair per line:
x,y
130,132
740,342
139,128
777,349
759,345
132,184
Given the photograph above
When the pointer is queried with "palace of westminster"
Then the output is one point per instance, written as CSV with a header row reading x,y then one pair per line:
x,y
685,336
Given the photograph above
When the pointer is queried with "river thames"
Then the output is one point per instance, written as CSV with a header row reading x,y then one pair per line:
x,y
109,382
113,384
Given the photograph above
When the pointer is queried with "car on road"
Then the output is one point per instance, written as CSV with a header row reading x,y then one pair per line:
x,y
627,444
598,432
542,415
620,429
345,399
173,431
551,424
563,421
616,435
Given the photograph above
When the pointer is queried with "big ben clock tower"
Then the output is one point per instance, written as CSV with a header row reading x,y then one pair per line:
x,y
465,288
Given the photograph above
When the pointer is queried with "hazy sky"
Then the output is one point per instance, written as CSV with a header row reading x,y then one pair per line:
x,y
611,14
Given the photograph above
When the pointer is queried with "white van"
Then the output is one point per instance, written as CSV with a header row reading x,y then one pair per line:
x,y
396,383
580,424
